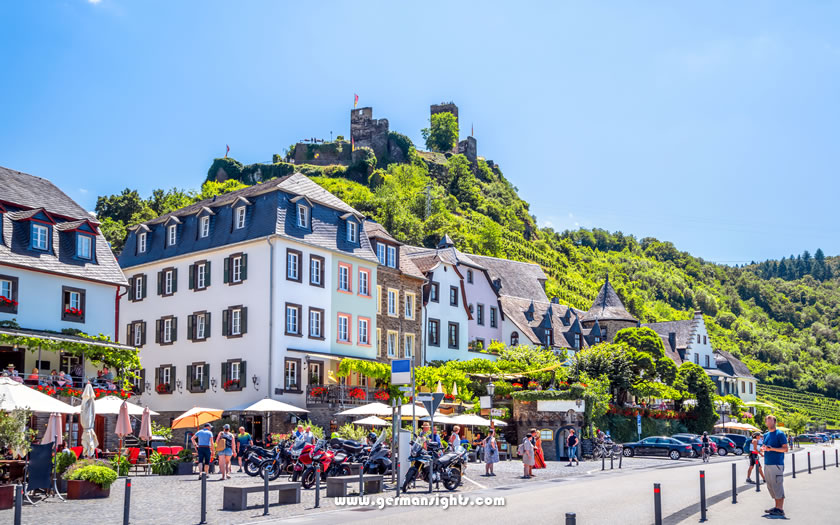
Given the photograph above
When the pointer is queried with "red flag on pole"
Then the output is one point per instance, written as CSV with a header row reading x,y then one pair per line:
x,y
355,100
227,150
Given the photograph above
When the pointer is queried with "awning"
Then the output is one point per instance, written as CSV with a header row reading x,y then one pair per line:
x,y
52,336
327,355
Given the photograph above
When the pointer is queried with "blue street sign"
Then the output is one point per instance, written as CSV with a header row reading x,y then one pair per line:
x,y
639,425
401,372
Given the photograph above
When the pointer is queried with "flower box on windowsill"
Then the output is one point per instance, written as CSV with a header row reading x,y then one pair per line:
x,y
232,385
164,388
75,312
8,305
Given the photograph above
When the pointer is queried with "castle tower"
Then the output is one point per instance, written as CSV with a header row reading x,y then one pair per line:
x,y
367,132
609,312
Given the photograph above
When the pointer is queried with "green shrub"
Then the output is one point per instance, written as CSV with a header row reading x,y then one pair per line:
x,y
63,460
82,463
351,431
121,465
102,476
186,455
317,431
163,465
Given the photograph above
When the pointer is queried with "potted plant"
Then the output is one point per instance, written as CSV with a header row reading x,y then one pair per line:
x,y
90,482
15,437
186,462
63,461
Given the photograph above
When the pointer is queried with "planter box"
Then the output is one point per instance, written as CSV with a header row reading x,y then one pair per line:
x,y
7,496
183,468
80,489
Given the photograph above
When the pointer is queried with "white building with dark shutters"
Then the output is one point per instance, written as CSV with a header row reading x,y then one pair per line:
x,y
256,293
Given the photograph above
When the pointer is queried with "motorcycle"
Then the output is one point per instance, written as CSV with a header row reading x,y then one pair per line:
x,y
379,459
283,461
430,465
313,455
254,457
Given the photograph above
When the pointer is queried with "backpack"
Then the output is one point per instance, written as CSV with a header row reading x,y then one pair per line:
x,y
221,443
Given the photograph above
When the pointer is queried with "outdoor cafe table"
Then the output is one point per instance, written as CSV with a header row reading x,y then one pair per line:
x,y
12,467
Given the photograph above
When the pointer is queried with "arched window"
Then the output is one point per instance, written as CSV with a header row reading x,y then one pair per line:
x,y
514,339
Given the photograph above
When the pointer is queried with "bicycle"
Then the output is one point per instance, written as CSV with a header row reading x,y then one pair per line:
x,y
706,454
606,450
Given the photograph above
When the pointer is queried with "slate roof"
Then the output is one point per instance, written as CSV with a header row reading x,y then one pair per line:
x,y
449,255
272,211
377,231
732,365
533,317
517,279
60,258
28,191
608,306
682,329
409,267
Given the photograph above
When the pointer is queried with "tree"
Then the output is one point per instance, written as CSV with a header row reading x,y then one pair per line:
x,y
795,421
694,380
642,339
442,136
119,207
463,184
114,233
666,369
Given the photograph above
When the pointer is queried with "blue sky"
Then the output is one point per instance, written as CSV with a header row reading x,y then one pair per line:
x,y
715,127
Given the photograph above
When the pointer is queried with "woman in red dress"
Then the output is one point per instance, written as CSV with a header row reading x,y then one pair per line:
x,y
539,457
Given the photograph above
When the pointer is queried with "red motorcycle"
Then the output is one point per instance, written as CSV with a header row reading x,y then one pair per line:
x,y
310,456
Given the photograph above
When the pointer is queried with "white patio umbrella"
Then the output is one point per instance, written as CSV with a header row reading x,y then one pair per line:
x,y
88,419
268,406
454,389
441,419
419,411
439,387
371,409
474,420
53,432
17,395
111,405
146,425
372,421
123,424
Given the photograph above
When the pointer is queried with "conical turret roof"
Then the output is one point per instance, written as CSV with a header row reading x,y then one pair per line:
x,y
607,306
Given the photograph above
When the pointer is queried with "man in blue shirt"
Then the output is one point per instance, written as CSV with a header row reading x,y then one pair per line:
x,y
203,443
774,448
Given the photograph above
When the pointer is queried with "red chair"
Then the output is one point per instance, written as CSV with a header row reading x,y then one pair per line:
x,y
175,450
77,451
164,451
133,455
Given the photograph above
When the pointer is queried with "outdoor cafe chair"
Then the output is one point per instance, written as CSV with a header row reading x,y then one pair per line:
x,y
39,472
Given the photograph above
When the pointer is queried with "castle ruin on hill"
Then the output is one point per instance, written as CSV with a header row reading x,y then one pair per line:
x,y
368,132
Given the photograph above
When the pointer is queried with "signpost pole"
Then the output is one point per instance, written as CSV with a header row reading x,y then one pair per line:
x,y
413,402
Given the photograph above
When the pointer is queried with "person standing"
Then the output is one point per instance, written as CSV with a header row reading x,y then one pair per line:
x,y
224,445
706,447
478,446
491,452
571,445
526,450
308,436
435,437
455,438
539,457
243,441
755,459
203,443
774,448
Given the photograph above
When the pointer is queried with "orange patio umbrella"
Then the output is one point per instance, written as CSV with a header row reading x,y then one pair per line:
x,y
197,416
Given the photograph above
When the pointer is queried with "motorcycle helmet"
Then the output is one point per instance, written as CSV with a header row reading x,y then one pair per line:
x,y
371,436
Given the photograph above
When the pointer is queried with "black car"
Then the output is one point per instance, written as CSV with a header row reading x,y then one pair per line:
x,y
696,444
657,446
740,441
724,445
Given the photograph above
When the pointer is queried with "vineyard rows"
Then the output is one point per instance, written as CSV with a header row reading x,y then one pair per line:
x,y
815,406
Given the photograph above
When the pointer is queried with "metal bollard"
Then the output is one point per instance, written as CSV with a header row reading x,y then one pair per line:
x,y
793,463
317,484
734,484
809,462
657,505
265,495
757,480
127,501
571,518
18,503
823,459
620,457
612,458
836,459
702,495
203,498
603,460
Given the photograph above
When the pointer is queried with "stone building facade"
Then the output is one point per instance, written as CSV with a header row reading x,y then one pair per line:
x,y
553,419
367,132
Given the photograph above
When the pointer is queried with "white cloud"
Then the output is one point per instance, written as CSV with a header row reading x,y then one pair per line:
x,y
94,1
83,191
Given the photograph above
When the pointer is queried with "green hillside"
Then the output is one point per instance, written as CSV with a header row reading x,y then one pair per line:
x,y
781,318
817,407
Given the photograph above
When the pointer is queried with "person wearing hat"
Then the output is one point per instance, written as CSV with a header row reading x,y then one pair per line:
x,y
224,446
203,443
755,459
13,374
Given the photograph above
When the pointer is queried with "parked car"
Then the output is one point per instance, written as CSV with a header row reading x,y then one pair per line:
x,y
696,444
724,445
740,441
658,446
823,437
808,438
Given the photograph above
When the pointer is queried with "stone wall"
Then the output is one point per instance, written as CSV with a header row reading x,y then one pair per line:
x,y
611,326
526,416
393,278
468,148
367,132
325,154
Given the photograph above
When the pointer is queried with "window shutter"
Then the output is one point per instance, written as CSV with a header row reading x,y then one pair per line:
x,y
172,377
129,339
158,328
227,270
175,280
190,326
190,378
143,333
207,274
142,380
191,284
157,376
174,329
131,289
205,379
245,266
160,283
225,367
243,377
244,320
225,315
207,325
143,291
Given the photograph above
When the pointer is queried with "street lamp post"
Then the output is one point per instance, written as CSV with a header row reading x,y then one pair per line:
x,y
491,389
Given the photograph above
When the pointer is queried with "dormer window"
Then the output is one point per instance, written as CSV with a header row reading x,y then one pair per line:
x,y
171,234
204,227
240,217
40,236
352,232
141,242
380,253
302,216
392,257
84,246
